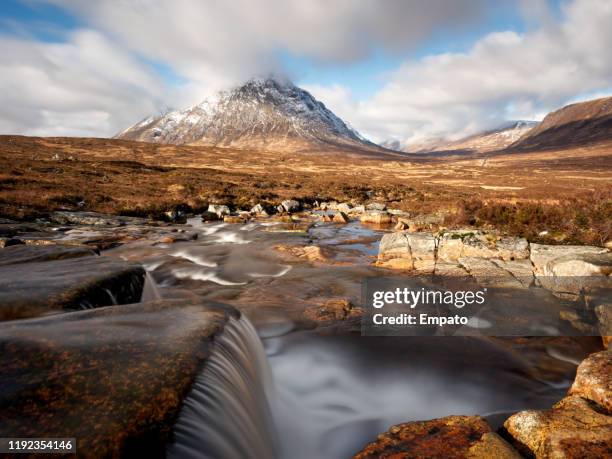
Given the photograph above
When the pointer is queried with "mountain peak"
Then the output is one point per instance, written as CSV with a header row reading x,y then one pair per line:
x,y
261,113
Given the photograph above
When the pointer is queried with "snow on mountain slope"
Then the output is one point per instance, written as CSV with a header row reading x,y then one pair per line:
x,y
263,113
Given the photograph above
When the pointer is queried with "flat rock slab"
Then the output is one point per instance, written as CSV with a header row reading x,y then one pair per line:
x,y
33,253
112,377
30,289
450,437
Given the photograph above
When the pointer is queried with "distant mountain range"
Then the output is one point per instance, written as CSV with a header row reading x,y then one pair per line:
x,y
261,114
490,140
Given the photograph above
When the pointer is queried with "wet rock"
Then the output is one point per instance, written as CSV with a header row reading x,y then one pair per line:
x,y
218,209
357,209
333,310
290,205
379,206
36,253
29,289
572,428
449,437
594,380
376,217
308,252
340,217
113,377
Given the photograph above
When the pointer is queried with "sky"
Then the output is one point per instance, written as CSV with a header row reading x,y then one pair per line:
x,y
405,70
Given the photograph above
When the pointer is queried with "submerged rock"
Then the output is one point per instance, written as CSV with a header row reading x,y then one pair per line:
x,y
449,437
573,428
113,377
43,279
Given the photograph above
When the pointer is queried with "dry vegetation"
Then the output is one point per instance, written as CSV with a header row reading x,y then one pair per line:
x,y
567,193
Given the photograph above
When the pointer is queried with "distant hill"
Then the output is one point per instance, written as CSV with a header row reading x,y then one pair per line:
x,y
576,124
261,114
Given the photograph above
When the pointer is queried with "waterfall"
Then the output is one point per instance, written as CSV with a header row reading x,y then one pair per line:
x,y
227,414
150,292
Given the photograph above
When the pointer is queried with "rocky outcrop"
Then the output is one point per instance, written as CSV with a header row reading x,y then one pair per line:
x,y
35,280
112,377
573,428
449,437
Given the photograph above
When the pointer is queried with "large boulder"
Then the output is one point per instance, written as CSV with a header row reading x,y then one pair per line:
x,y
573,428
450,437
594,380
46,279
114,378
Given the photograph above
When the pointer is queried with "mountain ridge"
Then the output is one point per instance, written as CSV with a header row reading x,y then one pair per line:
x,y
579,123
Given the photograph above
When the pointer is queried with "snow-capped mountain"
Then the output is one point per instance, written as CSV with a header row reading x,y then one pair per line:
x,y
491,140
263,113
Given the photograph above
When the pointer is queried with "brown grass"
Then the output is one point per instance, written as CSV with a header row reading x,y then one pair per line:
x,y
565,192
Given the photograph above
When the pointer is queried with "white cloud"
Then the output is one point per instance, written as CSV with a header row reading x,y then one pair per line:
x,y
505,75
97,81
85,86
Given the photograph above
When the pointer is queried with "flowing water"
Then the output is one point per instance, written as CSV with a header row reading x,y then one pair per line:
x,y
297,393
